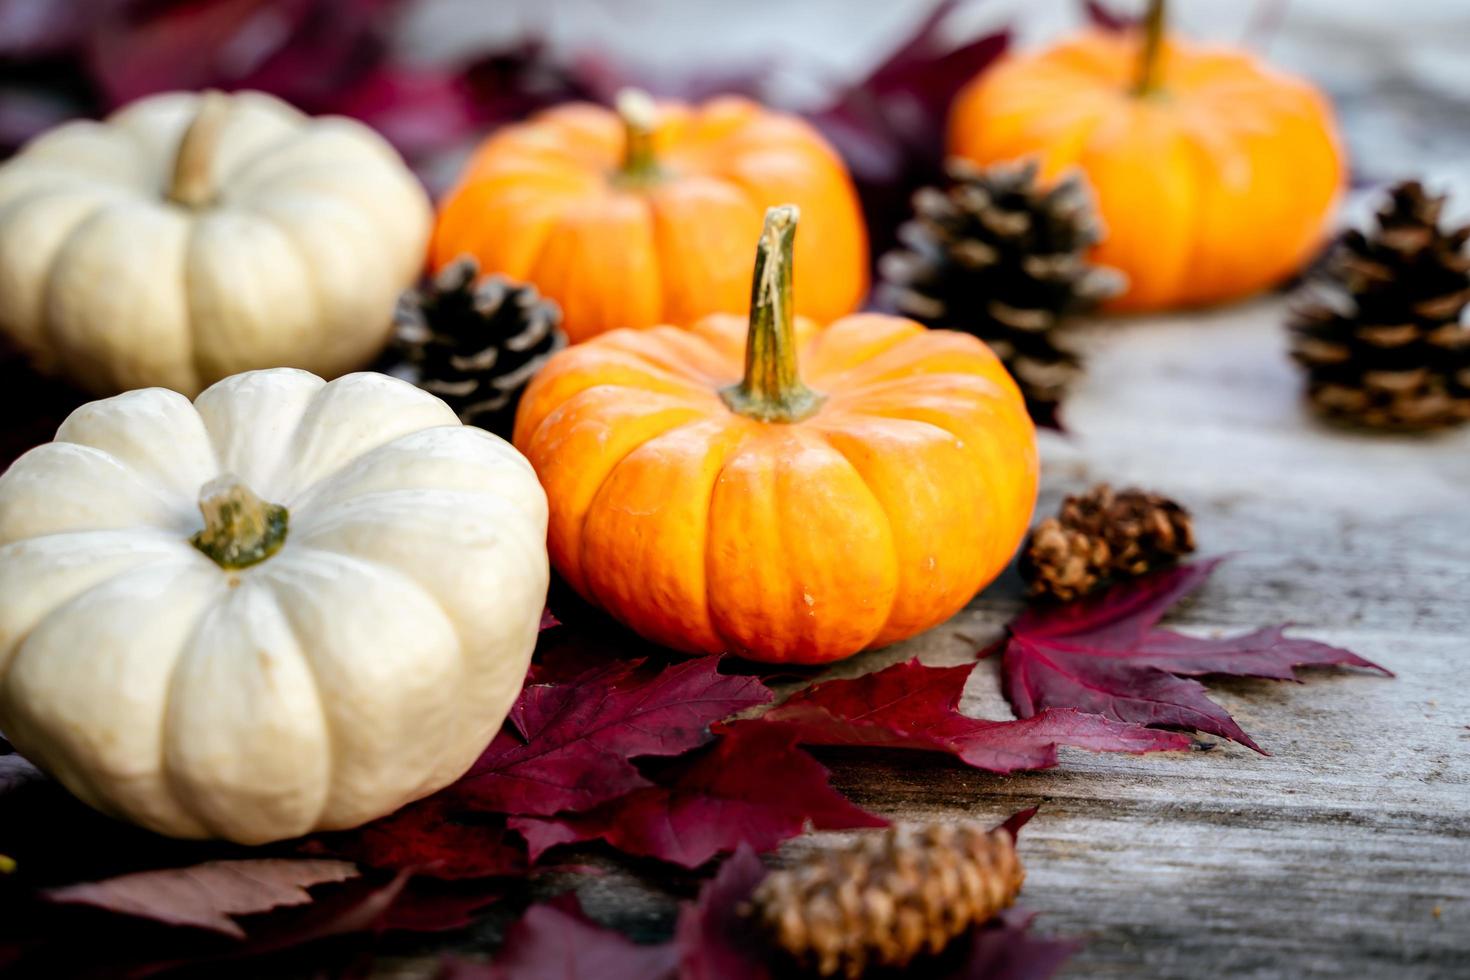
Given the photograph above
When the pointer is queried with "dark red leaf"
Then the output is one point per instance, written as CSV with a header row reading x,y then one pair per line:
x,y
206,895
417,110
714,940
306,51
1006,949
572,741
911,706
428,838
557,942
1013,824
1103,654
889,127
16,773
419,909
754,786
1106,17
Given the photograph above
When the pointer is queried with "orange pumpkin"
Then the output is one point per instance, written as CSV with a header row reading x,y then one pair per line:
x,y
712,509
1214,175
646,215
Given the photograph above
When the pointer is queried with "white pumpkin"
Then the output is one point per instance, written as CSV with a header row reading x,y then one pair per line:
x,y
189,237
254,674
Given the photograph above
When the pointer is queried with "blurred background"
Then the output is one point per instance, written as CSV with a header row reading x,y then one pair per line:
x,y
875,75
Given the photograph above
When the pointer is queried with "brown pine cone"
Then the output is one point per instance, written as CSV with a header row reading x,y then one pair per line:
x,y
1002,255
889,897
1380,330
476,341
1103,535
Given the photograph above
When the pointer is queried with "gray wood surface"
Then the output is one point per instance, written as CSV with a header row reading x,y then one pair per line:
x,y
1346,853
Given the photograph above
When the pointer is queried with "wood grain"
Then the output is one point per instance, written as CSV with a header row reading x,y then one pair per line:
x,y
1346,853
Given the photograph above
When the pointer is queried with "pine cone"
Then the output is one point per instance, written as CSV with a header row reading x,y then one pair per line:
x,y
1380,335
1103,535
1000,257
889,897
476,344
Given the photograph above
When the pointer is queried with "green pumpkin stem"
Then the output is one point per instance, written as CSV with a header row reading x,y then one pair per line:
x,y
1148,78
772,390
192,182
240,529
640,122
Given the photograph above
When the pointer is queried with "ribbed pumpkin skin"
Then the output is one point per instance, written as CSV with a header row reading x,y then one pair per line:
x,y
540,202
1218,185
874,519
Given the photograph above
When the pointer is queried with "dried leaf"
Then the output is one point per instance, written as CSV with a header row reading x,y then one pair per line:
x,y
1103,654
206,895
911,706
753,786
715,941
428,838
572,742
889,127
1006,949
557,942
1104,17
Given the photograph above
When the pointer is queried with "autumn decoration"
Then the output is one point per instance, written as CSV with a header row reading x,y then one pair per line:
x,y
283,666
645,215
1102,535
190,237
213,629
1002,257
891,467
1381,331
1215,175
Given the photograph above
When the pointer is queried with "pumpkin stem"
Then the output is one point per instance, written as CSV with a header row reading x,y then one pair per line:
x,y
192,184
772,390
240,529
640,122
1148,78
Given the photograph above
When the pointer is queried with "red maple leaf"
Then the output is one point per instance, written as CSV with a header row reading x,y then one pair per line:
x,y
1102,654
753,786
572,741
910,706
555,941
205,896
428,838
716,941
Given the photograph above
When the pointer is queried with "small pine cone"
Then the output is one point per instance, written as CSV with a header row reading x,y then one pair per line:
x,y
1000,255
1102,535
889,897
1063,562
477,342
1380,330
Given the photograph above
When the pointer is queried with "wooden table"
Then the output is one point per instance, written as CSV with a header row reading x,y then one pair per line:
x,y
1346,853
